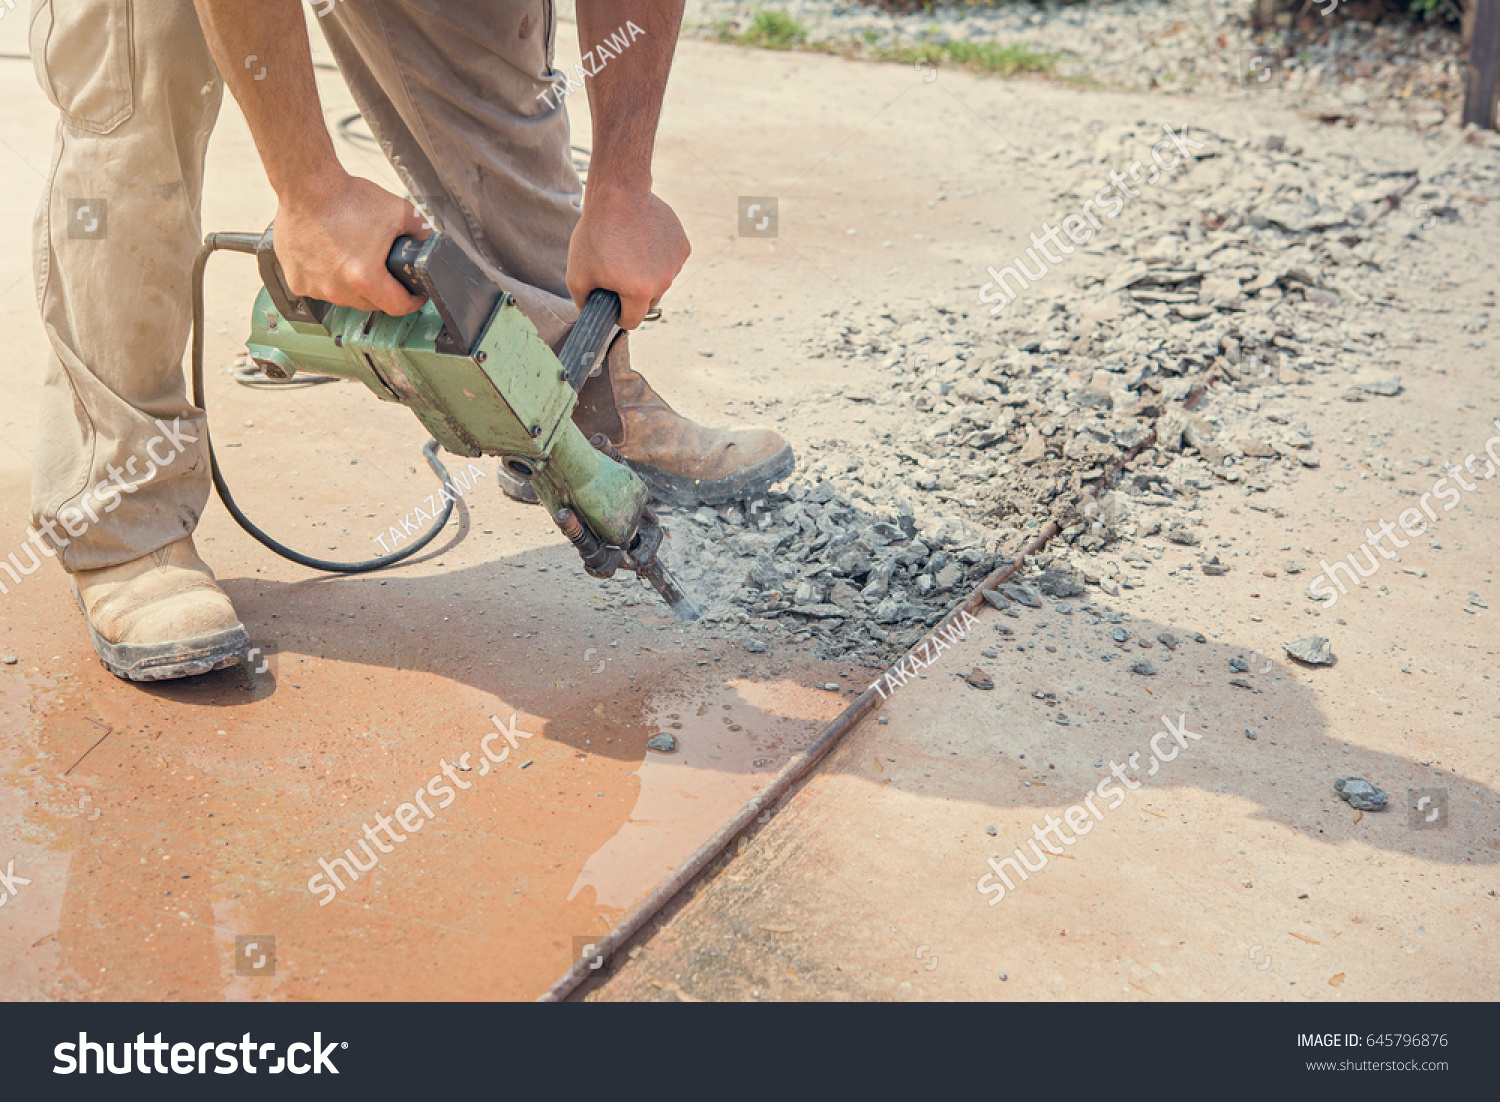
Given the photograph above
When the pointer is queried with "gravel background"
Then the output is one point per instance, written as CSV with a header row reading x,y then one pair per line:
x,y
1395,72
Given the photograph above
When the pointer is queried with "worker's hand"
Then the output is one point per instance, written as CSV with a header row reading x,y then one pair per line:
x,y
629,242
332,242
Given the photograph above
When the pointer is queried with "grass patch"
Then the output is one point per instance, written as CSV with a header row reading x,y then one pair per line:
x,y
769,30
773,29
979,57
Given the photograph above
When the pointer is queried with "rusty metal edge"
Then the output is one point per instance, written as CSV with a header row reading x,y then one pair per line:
x,y
803,761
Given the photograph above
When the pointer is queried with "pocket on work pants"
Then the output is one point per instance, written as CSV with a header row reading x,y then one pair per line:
x,y
84,55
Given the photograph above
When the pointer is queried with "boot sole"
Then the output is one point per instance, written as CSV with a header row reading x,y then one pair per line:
x,y
688,493
167,661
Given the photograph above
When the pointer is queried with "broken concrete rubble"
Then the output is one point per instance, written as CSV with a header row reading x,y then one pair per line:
x,y
1022,420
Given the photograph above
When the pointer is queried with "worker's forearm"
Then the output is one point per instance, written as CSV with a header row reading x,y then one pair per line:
x,y
625,93
262,50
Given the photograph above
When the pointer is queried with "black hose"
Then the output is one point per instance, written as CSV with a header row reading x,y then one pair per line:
x,y
256,379
345,127
246,243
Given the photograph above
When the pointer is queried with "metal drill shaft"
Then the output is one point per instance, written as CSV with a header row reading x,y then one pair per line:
x,y
662,581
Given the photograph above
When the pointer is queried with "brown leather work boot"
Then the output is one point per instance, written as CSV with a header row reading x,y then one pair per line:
x,y
681,462
160,616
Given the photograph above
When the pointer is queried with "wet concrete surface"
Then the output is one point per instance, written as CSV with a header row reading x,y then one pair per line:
x,y
157,823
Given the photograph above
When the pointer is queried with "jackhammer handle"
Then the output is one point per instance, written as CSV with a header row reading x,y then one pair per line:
x,y
402,264
590,336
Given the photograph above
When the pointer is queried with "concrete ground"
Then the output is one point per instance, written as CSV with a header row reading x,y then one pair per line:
x,y
156,825
1235,872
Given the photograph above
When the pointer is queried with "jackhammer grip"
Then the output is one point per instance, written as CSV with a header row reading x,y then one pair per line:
x,y
590,336
402,264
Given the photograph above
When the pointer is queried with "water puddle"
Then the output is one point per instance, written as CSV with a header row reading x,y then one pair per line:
x,y
730,740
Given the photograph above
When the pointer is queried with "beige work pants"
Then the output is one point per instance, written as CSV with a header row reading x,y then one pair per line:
x,y
449,88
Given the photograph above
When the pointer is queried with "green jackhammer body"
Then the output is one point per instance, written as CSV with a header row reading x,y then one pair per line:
x,y
472,368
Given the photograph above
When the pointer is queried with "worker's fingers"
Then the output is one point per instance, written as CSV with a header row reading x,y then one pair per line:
x,y
339,292
377,287
335,247
637,295
632,310
632,244
575,282
387,295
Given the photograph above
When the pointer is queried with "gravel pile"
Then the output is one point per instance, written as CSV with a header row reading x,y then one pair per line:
x,y
1261,272
1397,72
820,560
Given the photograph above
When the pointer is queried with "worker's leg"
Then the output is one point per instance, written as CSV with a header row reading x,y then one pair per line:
x,y
115,237
455,90
121,469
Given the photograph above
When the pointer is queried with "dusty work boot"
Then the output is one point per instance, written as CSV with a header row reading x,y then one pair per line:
x,y
160,616
681,462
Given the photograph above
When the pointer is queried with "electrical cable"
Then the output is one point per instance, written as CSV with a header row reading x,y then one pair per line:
x,y
246,243
345,128
256,379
